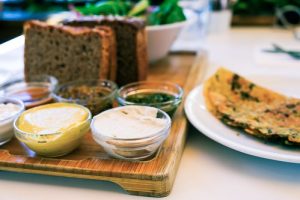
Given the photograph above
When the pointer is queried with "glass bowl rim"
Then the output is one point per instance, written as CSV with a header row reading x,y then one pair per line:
x,y
54,133
22,80
14,101
128,146
55,94
161,132
176,100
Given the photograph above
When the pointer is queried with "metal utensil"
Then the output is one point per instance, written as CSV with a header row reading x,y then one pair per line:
x,y
278,49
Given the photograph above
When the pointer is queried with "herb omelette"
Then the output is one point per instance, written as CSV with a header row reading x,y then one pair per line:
x,y
263,113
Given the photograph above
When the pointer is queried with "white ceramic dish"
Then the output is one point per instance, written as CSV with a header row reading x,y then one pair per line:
x,y
160,39
206,123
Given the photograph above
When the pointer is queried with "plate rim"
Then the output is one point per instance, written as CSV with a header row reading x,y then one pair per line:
x,y
188,105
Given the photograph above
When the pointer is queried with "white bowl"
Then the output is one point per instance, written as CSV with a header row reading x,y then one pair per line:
x,y
160,39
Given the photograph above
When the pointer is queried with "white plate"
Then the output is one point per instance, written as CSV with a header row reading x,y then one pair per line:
x,y
206,123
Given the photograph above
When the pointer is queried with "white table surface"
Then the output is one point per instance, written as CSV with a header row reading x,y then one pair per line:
x,y
207,170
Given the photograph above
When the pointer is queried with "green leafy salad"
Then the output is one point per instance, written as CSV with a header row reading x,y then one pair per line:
x,y
166,13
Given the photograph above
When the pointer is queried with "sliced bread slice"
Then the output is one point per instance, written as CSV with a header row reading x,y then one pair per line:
x,y
68,53
132,59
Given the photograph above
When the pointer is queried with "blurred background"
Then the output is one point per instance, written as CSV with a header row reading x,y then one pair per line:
x,y
214,15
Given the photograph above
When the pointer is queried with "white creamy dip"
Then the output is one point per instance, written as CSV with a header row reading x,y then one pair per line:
x,y
8,110
129,122
8,113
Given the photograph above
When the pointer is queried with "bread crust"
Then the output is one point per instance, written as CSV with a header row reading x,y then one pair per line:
x,y
90,21
142,56
110,33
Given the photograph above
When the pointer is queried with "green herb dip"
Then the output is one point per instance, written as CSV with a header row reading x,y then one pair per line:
x,y
150,98
156,99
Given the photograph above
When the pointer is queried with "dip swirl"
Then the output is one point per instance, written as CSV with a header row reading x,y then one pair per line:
x,y
54,129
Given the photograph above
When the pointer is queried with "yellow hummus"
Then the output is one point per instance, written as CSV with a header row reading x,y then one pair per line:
x,y
53,129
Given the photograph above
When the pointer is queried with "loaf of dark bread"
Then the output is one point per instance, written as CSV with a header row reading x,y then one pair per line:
x,y
68,53
132,60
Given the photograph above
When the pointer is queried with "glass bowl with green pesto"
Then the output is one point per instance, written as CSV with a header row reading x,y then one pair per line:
x,y
96,95
163,95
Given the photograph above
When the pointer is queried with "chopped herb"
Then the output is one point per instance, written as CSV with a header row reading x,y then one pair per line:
x,y
247,96
217,77
225,119
243,125
256,119
251,86
269,131
235,82
290,106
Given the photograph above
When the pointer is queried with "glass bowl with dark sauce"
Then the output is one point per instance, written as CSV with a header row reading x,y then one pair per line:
x,y
163,95
96,95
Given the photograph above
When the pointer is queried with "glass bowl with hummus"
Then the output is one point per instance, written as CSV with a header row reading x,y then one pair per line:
x,y
163,95
96,95
10,108
54,129
131,132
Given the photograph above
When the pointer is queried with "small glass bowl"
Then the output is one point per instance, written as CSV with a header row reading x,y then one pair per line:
x,y
34,92
139,148
84,92
148,87
6,124
57,143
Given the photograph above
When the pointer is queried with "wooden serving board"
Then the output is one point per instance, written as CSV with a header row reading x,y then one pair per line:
x,y
154,177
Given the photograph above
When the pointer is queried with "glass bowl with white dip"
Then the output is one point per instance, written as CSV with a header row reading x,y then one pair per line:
x,y
54,129
131,132
10,108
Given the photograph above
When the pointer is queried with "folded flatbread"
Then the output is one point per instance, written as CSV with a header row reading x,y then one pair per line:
x,y
258,111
